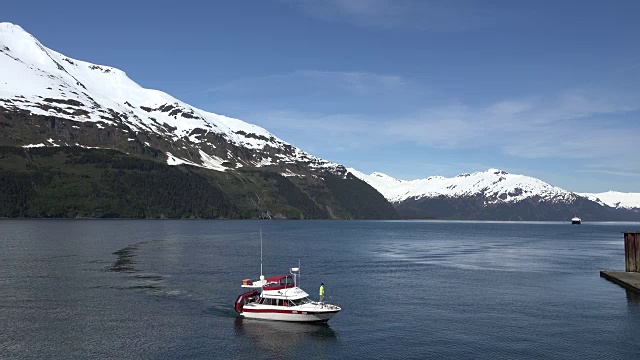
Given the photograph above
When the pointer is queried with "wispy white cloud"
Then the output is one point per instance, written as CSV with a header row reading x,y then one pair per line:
x,y
573,124
318,92
611,172
618,165
356,111
314,131
555,128
310,81
436,15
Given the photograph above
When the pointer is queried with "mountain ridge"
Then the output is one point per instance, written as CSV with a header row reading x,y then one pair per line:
x,y
615,199
51,101
492,181
498,194
45,82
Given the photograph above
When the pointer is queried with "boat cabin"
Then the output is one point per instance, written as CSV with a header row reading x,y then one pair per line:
x,y
283,302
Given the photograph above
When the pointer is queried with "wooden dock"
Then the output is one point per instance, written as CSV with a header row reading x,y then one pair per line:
x,y
629,280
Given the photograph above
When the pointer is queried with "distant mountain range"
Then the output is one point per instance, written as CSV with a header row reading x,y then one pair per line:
x,y
84,140
497,195
618,200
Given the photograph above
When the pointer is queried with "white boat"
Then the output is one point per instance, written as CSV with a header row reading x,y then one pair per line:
x,y
279,298
576,220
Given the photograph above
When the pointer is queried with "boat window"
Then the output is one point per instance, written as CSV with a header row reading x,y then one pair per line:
x,y
299,302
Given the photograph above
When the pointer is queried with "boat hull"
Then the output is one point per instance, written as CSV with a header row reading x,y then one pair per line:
x,y
288,315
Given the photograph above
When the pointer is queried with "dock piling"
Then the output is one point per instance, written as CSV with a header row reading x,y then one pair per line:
x,y
632,251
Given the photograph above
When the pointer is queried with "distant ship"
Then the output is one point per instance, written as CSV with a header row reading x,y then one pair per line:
x,y
576,220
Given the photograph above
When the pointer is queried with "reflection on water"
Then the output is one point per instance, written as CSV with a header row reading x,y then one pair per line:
x,y
151,289
263,328
281,337
506,253
633,297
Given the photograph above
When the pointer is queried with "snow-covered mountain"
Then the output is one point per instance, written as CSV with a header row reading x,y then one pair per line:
x,y
496,194
616,199
495,185
37,81
50,100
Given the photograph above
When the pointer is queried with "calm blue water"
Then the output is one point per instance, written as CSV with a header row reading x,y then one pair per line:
x,y
165,289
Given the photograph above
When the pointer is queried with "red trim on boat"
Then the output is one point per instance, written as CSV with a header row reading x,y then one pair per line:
x,y
296,312
277,286
243,299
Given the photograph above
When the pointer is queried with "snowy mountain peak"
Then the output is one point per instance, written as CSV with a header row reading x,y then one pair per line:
x,y
20,45
496,172
38,81
494,184
10,27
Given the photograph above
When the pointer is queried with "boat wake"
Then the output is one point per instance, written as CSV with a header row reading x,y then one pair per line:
x,y
129,262
126,263
221,310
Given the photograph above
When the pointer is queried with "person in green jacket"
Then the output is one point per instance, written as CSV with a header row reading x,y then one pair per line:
x,y
321,292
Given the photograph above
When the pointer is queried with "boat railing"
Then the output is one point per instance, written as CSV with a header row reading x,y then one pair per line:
x,y
331,302
324,303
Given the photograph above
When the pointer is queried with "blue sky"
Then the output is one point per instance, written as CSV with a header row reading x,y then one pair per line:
x,y
549,89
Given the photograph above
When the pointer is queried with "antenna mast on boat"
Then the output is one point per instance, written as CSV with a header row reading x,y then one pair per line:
x,y
261,275
296,273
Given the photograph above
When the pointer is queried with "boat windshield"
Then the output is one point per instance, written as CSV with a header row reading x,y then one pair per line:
x,y
300,301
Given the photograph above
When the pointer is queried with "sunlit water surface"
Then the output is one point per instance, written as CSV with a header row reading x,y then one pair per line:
x,y
165,289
